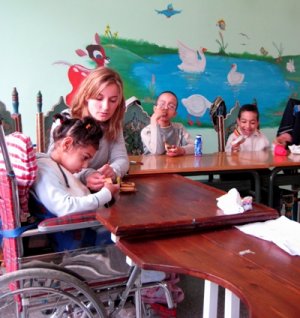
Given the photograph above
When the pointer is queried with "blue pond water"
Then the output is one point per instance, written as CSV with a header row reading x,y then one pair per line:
x,y
263,82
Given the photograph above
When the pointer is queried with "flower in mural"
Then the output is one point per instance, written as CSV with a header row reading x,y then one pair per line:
x,y
108,33
221,24
193,61
279,49
263,51
222,46
169,12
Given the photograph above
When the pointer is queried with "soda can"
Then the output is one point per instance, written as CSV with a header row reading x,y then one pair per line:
x,y
198,146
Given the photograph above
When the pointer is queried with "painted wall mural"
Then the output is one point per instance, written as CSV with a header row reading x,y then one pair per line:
x,y
196,74
77,72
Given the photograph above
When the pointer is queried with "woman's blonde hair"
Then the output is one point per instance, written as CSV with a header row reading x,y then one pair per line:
x,y
91,87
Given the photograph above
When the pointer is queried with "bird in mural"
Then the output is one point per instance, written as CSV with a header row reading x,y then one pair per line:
x,y
234,77
193,61
77,73
245,35
169,12
196,105
290,66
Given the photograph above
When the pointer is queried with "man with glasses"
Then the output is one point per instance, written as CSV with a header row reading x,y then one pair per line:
x,y
163,136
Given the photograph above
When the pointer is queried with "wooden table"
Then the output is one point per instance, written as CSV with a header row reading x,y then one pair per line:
x,y
176,219
207,164
266,278
171,203
217,162
222,163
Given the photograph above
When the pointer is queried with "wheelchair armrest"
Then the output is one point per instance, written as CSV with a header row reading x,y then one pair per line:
x,y
68,222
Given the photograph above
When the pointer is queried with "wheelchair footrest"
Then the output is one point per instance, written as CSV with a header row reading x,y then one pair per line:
x,y
163,311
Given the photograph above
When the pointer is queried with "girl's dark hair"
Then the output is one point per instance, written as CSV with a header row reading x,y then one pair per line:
x,y
85,132
249,108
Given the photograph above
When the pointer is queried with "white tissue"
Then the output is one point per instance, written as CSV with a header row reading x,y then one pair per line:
x,y
294,149
231,202
283,232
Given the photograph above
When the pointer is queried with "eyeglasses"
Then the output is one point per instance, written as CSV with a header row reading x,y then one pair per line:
x,y
163,105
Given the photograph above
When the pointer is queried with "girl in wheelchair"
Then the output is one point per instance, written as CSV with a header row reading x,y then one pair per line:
x,y
57,191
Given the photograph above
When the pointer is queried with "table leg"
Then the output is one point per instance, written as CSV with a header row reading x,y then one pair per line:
x,y
256,177
271,185
232,305
210,303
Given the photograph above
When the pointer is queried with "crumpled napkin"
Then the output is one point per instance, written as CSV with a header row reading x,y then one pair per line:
x,y
232,203
294,149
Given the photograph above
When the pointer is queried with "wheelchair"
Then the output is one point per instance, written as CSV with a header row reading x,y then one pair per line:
x,y
51,285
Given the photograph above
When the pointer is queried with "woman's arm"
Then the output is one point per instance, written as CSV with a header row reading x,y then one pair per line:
x,y
118,158
110,158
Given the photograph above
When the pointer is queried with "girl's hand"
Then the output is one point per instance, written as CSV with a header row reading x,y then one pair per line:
x,y
95,181
113,188
107,171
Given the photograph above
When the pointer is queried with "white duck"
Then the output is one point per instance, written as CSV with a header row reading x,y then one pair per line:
x,y
196,105
290,66
234,77
193,61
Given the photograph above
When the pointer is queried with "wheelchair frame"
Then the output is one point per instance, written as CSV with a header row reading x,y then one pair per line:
x,y
39,289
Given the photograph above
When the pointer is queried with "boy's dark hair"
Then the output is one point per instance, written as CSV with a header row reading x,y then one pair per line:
x,y
249,108
167,92
85,132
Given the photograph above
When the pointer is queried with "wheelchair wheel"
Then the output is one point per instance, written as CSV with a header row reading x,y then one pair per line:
x,y
45,293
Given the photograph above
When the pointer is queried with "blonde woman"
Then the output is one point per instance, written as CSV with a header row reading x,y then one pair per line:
x,y
100,95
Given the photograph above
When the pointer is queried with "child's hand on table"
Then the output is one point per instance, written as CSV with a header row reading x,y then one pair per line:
x,y
95,181
173,151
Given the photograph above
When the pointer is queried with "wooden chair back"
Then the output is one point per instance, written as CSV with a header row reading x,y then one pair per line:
x,y
11,121
44,122
230,120
135,119
224,123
